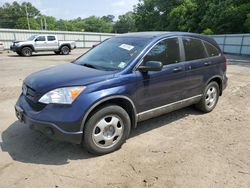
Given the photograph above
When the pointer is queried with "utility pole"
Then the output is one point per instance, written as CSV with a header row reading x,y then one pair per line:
x,y
27,15
45,23
41,23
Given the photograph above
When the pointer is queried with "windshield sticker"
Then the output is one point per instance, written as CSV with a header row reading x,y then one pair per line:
x,y
126,47
122,65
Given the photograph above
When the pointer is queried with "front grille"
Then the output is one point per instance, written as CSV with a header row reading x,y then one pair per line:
x,y
35,105
32,98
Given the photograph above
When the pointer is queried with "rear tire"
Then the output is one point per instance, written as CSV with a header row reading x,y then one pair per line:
x,y
210,98
65,50
26,51
106,130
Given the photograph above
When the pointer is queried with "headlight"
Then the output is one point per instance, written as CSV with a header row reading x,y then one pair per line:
x,y
65,95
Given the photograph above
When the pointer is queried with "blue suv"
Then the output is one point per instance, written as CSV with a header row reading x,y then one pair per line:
x,y
98,98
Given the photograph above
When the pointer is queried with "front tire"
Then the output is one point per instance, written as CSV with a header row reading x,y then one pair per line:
x,y
26,51
65,50
106,130
210,98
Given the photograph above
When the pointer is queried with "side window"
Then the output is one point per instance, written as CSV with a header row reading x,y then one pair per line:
x,y
51,38
166,51
211,50
194,49
40,38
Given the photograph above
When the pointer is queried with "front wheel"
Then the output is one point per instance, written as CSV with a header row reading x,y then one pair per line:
x,y
26,51
210,98
106,130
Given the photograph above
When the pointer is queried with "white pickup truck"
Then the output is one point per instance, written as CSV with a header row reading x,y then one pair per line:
x,y
39,43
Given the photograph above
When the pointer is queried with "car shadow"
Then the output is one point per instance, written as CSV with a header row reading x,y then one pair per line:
x,y
163,120
28,146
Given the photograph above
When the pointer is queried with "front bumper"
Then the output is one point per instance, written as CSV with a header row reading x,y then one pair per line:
x,y
51,129
15,48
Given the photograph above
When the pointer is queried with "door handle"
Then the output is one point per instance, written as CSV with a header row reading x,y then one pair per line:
x,y
207,63
178,69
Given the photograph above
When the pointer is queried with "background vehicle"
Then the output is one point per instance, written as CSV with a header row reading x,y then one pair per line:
x,y
1,46
39,43
99,97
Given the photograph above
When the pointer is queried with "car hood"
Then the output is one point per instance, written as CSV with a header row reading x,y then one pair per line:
x,y
65,75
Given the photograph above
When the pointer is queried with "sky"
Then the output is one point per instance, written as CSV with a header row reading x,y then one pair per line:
x,y
70,9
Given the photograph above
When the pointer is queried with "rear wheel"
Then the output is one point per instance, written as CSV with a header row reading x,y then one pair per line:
x,y
210,98
26,51
106,130
65,50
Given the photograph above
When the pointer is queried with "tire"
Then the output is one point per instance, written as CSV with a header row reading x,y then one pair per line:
x,y
65,50
210,98
57,52
106,130
26,51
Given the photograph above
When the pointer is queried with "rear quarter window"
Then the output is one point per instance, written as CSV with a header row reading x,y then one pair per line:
x,y
194,49
212,50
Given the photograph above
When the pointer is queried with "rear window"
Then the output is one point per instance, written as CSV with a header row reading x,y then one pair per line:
x,y
194,49
51,38
211,50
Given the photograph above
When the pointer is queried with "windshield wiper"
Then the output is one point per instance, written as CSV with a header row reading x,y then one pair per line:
x,y
90,66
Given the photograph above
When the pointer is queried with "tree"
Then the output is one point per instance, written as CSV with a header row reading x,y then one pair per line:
x,y
247,23
95,24
21,23
108,18
10,13
126,23
183,17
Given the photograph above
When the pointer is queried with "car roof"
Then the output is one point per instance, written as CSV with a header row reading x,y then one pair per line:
x,y
161,34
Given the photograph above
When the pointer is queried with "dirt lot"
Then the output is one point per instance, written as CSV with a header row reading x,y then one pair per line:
x,y
182,149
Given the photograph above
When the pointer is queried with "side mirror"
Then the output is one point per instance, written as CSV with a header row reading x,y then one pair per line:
x,y
151,66
36,40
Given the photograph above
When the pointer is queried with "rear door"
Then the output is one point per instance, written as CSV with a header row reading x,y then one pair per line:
x,y
52,43
198,66
158,88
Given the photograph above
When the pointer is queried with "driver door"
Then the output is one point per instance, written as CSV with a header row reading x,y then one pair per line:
x,y
159,88
40,43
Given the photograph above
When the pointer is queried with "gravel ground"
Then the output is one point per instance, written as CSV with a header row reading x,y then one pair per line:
x,y
182,149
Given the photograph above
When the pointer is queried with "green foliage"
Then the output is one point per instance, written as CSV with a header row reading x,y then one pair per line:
x,y
207,31
208,17
247,23
183,17
126,23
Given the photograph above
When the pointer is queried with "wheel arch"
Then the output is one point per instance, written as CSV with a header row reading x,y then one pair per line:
x,y
123,101
218,80
30,46
68,45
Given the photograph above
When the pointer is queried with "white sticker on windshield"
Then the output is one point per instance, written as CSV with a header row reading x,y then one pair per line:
x,y
122,65
126,47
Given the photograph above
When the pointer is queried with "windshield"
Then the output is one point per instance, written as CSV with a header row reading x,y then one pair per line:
x,y
32,37
114,54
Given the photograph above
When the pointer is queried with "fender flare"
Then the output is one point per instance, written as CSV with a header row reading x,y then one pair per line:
x,y
104,100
